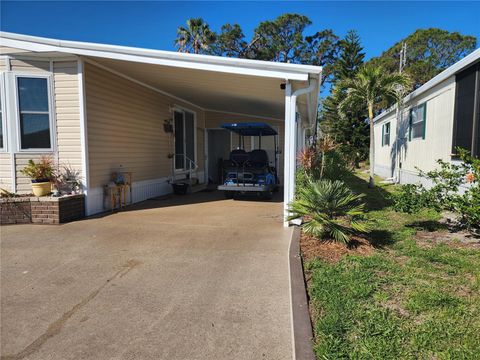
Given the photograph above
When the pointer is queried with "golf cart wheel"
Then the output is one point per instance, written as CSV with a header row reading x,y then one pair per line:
x,y
228,194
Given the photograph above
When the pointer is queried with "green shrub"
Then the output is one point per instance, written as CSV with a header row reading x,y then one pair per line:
x,y
445,193
329,210
334,165
409,199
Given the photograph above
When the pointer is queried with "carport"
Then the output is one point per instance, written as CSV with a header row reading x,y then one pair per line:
x,y
216,89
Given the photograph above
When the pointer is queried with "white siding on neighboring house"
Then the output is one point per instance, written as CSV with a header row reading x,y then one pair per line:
x,y
384,154
418,153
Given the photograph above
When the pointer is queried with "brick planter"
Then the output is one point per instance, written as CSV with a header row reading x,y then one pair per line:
x,y
42,210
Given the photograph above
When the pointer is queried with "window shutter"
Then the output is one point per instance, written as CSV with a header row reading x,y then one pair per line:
x,y
410,125
383,133
424,119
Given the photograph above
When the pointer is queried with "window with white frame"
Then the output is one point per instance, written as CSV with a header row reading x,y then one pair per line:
x,y
417,124
184,123
34,113
386,134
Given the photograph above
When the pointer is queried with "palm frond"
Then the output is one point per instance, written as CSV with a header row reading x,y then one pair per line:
x,y
329,209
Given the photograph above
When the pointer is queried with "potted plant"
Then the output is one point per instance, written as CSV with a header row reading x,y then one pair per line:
x,y
41,173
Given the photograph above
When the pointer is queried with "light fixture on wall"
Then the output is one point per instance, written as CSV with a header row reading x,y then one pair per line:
x,y
168,125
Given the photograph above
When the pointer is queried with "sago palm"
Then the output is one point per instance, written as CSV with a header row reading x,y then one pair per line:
x,y
196,37
329,210
370,86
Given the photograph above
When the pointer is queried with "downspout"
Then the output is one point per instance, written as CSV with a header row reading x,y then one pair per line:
x,y
397,145
290,148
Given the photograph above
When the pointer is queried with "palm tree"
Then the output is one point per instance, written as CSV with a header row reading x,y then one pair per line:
x,y
371,86
330,210
196,37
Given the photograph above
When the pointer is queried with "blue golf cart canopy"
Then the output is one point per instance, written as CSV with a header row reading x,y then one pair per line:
x,y
250,129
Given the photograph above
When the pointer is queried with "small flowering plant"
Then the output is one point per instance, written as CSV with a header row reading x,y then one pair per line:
x,y
470,177
307,158
41,171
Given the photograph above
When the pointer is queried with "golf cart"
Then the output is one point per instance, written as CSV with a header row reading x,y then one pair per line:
x,y
250,172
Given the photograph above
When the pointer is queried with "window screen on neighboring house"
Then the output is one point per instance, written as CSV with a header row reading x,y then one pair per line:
x,y
418,118
386,134
467,110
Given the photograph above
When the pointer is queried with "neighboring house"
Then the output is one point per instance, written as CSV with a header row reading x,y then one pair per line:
x,y
99,108
436,118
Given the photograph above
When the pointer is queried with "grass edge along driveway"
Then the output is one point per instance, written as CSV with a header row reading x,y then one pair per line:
x,y
409,299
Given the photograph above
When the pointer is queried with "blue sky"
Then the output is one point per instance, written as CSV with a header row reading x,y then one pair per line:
x,y
153,24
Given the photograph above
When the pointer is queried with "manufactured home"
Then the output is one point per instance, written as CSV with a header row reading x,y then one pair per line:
x,y
436,118
100,108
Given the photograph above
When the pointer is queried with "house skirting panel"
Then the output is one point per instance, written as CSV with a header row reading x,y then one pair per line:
x,y
383,171
412,177
97,202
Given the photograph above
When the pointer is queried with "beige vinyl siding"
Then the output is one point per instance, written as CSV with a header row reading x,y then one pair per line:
x,y
21,160
66,118
30,66
67,114
3,64
125,128
5,171
5,50
215,119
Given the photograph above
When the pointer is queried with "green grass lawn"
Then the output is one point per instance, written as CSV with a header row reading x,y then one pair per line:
x,y
408,300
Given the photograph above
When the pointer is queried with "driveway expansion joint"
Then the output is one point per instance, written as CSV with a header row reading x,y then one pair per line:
x,y
56,327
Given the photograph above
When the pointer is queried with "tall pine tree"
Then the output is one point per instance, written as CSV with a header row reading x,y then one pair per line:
x,y
351,56
349,132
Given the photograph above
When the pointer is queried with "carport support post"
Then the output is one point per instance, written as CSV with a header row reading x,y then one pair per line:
x,y
289,157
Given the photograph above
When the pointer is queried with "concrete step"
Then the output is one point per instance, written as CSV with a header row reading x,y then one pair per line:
x,y
193,181
193,185
197,188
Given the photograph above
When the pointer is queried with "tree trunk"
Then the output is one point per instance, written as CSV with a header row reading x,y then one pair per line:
x,y
371,181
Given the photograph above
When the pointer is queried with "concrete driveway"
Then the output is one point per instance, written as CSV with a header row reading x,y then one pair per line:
x,y
165,280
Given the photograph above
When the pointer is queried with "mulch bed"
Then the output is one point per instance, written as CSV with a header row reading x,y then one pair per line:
x,y
331,251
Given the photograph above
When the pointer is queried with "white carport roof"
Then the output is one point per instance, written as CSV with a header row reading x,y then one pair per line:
x,y
208,82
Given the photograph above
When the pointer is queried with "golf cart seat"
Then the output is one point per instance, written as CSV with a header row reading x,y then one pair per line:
x,y
239,157
258,159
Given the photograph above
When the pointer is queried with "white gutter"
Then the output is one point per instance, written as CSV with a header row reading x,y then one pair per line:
x,y
303,91
290,144
259,64
444,75
159,57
